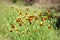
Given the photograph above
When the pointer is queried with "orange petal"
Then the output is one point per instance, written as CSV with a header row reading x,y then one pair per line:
x,y
29,20
30,16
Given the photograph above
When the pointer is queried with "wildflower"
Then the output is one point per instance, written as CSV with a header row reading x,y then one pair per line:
x,y
49,26
30,17
16,30
48,11
41,24
43,19
20,24
11,30
13,26
19,20
20,13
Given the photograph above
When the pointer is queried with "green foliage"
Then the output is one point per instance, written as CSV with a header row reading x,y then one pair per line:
x,y
27,31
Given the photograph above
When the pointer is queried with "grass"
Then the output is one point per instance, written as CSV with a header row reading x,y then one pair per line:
x,y
16,25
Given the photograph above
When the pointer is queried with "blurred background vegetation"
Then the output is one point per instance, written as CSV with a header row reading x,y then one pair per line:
x,y
8,10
